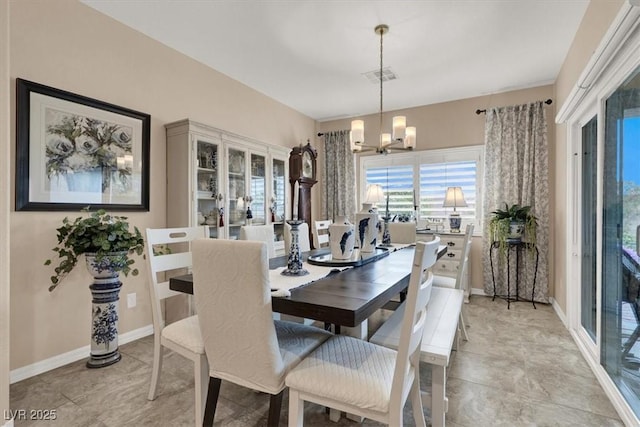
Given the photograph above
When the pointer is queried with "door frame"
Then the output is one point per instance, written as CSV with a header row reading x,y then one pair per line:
x,y
617,56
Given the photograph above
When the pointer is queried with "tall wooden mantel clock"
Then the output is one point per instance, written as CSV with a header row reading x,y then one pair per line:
x,y
302,168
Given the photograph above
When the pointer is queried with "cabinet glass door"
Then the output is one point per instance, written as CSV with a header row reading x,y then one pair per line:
x,y
206,186
237,191
278,198
258,189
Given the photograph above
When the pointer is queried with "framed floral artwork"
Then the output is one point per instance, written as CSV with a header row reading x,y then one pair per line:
x,y
73,152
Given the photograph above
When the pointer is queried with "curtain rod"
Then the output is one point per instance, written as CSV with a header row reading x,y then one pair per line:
x,y
548,102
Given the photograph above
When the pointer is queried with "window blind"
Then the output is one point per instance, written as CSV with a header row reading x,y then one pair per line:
x,y
434,180
397,183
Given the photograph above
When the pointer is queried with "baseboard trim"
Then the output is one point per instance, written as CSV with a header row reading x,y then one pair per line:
x,y
610,389
8,423
561,315
478,291
54,362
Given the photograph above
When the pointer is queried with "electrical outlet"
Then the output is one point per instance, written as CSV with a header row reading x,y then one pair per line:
x,y
131,300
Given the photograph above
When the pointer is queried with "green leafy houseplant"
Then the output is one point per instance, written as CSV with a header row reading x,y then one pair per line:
x,y
100,233
512,224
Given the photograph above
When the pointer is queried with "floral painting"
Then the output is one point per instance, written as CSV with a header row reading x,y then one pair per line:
x,y
74,151
79,145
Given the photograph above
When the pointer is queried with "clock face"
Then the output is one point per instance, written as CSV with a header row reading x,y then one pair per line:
x,y
307,165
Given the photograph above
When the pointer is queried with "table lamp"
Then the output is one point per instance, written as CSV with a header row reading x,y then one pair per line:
x,y
454,198
375,194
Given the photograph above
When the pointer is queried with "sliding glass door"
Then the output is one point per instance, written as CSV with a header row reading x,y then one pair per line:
x,y
620,278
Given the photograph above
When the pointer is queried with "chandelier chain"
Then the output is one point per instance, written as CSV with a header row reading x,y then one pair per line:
x,y
381,36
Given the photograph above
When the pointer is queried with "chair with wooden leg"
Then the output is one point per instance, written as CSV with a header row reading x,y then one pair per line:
x,y
321,233
244,345
366,379
260,233
182,336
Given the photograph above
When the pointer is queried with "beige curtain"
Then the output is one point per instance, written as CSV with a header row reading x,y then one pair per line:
x,y
338,182
516,172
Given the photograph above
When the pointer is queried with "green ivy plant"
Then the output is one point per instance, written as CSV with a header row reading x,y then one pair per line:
x,y
500,225
99,233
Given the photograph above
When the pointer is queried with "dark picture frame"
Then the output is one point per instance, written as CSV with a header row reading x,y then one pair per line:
x,y
73,151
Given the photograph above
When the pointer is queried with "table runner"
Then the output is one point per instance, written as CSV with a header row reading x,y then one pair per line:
x,y
282,285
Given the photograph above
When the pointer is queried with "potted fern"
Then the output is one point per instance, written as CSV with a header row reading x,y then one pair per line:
x,y
107,243
512,224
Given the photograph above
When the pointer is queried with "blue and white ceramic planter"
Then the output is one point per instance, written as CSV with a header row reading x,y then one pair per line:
x,y
105,291
367,228
342,238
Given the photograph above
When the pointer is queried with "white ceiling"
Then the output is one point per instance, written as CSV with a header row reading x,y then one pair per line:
x,y
311,54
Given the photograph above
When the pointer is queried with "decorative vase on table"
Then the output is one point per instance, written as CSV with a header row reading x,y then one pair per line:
x,y
367,228
342,238
294,263
105,291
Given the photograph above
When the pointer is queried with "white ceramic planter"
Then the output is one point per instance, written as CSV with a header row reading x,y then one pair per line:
x,y
342,238
367,228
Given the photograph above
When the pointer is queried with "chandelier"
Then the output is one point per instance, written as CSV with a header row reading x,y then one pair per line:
x,y
401,133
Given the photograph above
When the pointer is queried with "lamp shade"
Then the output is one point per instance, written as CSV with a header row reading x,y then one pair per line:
x,y
399,126
410,137
375,194
357,132
454,198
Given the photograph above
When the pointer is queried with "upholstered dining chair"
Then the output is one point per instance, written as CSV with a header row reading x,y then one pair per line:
x,y
321,233
303,237
260,233
366,379
244,345
182,336
457,283
402,232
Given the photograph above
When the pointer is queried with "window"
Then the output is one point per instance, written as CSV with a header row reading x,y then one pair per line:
x,y
434,180
397,183
429,173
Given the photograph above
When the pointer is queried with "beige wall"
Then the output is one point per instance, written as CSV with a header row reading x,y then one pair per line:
x,y
70,46
4,207
455,124
594,25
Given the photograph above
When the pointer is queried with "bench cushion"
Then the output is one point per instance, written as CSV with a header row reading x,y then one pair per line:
x,y
443,312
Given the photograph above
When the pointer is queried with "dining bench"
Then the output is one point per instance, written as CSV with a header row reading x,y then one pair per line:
x,y
438,339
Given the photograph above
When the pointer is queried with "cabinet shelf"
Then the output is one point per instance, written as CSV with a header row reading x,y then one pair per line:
x,y
206,195
207,170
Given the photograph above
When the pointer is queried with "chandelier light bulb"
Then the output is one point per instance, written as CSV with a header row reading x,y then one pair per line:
x,y
410,138
399,126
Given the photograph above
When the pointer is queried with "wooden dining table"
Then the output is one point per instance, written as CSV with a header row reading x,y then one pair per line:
x,y
345,298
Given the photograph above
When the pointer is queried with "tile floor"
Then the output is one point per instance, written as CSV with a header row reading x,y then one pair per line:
x,y
520,367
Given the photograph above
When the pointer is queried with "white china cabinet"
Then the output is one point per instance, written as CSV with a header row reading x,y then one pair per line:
x,y
223,180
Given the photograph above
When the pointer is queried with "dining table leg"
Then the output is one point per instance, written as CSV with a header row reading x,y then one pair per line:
x,y
359,331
